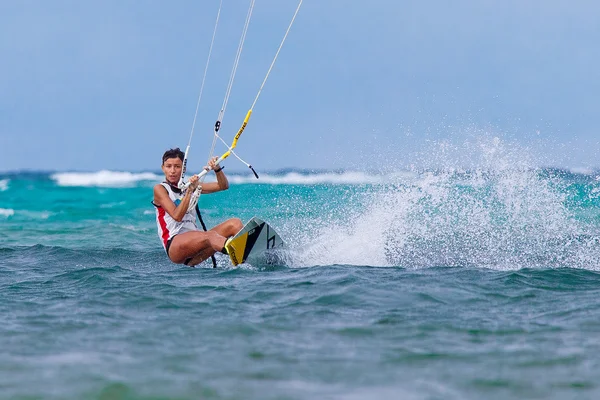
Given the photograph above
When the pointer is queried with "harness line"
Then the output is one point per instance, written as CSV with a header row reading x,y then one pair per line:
x,y
231,147
198,191
231,78
237,136
187,149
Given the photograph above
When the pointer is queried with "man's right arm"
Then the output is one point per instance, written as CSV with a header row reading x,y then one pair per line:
x,y
162,199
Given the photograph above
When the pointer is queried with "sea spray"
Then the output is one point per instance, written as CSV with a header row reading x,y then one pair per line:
x,y
500,212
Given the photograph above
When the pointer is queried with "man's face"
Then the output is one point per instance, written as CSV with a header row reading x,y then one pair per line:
x,y
172,169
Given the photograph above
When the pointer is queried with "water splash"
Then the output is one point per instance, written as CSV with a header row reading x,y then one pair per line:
x,y
500,212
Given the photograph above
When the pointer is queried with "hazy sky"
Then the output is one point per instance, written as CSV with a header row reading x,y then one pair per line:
x,y
111,84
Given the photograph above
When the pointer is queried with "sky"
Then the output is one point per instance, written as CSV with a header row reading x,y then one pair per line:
x,y
112,84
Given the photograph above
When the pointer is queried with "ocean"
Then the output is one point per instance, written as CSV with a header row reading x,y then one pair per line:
x,y
445,283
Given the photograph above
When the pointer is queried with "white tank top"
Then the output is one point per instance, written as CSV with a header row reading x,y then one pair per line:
x,y
167,226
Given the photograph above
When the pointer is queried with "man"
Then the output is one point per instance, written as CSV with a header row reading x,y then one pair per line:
x,y
177,229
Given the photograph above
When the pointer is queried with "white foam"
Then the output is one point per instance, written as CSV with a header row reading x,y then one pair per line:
x,y
334,178
113,205
103,178
107,178
129,227
29,214
581,170
6,212
4,184
504,215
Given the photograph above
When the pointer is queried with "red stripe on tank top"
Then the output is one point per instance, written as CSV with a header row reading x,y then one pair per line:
x,y
163,226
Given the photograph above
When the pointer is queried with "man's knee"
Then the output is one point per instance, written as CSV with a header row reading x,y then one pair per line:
x,y
236,224
233,226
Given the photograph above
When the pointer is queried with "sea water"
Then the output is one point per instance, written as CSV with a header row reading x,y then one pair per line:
x,y
423,283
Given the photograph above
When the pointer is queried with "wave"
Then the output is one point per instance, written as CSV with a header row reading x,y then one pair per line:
x,y
103,255
57,260
117,179
582,170
314,178
6,212
107,178
103,178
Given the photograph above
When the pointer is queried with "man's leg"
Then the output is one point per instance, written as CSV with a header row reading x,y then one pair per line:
x,y
192,244
229,227
200,257
201,245
226,229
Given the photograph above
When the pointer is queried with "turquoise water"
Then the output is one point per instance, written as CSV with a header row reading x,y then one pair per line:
x,y
414,285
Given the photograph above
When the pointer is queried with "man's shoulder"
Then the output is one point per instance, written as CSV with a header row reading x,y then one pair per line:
x,y
158,186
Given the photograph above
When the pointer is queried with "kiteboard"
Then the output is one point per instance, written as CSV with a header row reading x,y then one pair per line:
x,y
256,243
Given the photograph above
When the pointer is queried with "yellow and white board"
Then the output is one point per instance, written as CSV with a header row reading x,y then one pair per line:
x,y
256,243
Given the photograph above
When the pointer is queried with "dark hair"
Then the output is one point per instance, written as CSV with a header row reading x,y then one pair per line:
x,y
173,153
